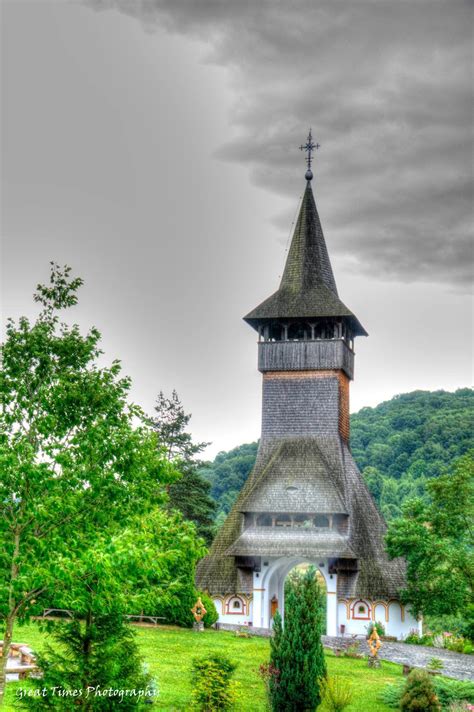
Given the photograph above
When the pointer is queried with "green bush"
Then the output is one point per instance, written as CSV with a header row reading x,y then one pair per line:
x,y
336,694
418,694
391,695
353,650
452,691
449,692
212,615
458,644
213,689
379,627
414,638
460,625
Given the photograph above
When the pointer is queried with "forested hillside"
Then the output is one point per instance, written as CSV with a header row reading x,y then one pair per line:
x,y
398,445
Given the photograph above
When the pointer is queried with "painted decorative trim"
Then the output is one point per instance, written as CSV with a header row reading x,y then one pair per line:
x,y
235,612
356,615
348,607
385,607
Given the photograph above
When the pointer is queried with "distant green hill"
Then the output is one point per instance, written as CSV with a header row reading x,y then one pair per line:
x,y
397,445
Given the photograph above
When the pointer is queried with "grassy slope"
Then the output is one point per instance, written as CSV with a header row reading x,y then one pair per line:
x,y
169,652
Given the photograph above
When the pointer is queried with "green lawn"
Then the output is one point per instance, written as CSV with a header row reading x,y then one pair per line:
x,y
169,652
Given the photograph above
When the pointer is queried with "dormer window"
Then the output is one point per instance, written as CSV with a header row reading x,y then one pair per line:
x,y
321,520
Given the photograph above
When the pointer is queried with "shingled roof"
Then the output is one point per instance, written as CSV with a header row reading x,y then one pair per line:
x,y
268,541
296,479
308,288
376,576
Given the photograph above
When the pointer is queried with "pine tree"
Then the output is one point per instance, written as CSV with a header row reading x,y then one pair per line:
x,y
296,650
91,659
419,694
190,494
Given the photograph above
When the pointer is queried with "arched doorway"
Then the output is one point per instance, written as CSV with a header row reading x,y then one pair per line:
x,y
269,593
299,571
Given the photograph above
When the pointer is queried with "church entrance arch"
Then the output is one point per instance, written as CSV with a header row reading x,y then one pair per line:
x,y
301,570
273,582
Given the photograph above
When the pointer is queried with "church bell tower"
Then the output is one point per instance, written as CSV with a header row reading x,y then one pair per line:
x,y
305,500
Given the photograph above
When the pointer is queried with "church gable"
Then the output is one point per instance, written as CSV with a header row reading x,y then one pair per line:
x,y
297,479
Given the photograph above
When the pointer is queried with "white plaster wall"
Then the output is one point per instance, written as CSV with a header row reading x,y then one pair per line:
x,y
380,615
218,605
395,625
235,619
239,618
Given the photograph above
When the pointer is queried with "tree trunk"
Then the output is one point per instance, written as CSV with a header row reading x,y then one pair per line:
x,y
87,650
11,615
7,641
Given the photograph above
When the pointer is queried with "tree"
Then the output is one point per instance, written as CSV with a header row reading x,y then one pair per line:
x,y
190,493
170,424
419,694
74,468
296,649
436,539
111,668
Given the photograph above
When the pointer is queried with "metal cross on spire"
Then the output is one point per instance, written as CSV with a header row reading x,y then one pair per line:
x,y
309,147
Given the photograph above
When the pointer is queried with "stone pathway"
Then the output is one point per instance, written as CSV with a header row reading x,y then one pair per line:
x,y
455,665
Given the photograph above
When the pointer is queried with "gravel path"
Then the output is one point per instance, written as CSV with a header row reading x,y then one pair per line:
x,y
455,665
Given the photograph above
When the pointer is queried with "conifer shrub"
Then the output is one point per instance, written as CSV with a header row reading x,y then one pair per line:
x,y
213,688
212,615
336,694
449,692
419,694
91,660
296,651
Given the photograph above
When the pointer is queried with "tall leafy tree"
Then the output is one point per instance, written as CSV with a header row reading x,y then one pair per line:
x,y
296,649
147,567
190,493
73,465
437,540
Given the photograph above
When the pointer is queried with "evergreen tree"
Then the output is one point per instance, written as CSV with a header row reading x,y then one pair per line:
x,y
419,694
91,660
189,494
296,650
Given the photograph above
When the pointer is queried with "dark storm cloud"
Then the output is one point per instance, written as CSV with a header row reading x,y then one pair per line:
x,y
387,87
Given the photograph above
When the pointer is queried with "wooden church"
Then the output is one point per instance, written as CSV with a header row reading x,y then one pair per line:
x,y
305,500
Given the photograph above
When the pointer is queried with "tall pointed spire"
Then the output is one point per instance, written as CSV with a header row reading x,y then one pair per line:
x,y
307,288
308,263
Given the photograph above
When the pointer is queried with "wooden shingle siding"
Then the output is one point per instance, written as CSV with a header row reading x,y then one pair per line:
x,y
305,355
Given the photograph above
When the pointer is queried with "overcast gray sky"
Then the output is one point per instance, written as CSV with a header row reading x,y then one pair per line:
x,y
152,146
